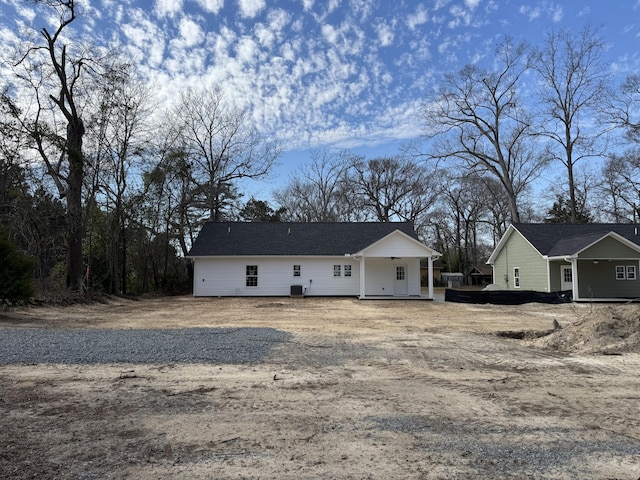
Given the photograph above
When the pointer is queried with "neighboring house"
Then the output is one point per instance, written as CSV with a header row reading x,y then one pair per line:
x,y
592,261
480,275
321,259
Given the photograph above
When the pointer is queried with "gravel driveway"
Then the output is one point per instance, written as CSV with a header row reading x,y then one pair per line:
x,y
187,345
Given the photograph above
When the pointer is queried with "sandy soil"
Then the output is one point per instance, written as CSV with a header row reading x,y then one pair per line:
x,y
365,389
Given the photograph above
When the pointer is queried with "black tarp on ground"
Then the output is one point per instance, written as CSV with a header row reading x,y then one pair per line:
x,y
506,297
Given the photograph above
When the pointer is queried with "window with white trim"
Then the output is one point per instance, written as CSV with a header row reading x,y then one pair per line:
x,y
620,272
252,276
337,270
296,270
347,270
516,277
631,272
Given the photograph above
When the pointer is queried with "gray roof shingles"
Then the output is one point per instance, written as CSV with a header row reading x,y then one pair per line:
x,y
557,239
291,238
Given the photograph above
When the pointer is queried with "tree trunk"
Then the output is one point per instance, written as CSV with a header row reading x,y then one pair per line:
x,y
75,131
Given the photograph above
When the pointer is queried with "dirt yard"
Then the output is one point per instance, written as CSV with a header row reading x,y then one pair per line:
x,y
361,390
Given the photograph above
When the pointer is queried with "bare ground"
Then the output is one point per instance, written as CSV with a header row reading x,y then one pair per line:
x,y
364,389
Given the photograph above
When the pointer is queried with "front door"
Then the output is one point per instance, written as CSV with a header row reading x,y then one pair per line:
x,y
401,284
566,277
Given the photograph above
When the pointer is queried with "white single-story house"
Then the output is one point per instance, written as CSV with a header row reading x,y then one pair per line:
x,y
591,261
363,259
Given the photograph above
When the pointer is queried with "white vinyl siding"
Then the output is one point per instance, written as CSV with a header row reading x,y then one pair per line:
x,y
226,276
381,275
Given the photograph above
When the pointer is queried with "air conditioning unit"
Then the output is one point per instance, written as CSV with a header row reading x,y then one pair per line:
x,y
297,291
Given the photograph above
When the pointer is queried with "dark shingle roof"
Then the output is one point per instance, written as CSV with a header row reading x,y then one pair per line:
x,y
557,239
291,238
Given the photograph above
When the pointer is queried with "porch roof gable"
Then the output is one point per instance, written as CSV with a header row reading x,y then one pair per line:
x,y
398,243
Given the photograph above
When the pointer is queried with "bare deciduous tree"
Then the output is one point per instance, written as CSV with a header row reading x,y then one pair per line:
x,y
316,192
477,120
119,135
392,188
621,186
624,108
222,144
54,73
572,94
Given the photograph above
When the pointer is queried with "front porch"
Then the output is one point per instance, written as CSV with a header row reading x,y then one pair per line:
x,y
597,279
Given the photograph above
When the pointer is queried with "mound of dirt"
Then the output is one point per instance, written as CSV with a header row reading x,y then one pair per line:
x,y
607,330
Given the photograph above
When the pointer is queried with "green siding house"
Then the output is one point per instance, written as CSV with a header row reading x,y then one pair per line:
x,y
591,261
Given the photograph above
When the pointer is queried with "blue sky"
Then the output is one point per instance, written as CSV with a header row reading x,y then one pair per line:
x,y
329,74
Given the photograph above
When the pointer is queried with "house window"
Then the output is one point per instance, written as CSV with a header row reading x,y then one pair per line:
x,y
631,272
620,272
567,275
296,270
252,275
400,273
516,277
347,270
336,270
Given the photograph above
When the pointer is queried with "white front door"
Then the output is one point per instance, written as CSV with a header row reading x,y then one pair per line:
x,y
566,277
401,284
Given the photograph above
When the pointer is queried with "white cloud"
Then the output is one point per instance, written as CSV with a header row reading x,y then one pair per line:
x,y
330,34
553,11
146,40
25,12
556,13
347,38
251,8
265,36
268,34
385,34
288,52
247,50
460,16
531,12
168,8
472,4
307,5
190,32
278,19
417,18
362,8
212,6
440,4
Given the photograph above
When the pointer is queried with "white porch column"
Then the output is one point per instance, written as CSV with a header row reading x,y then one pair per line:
x,y
574,278
430,263
363,284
